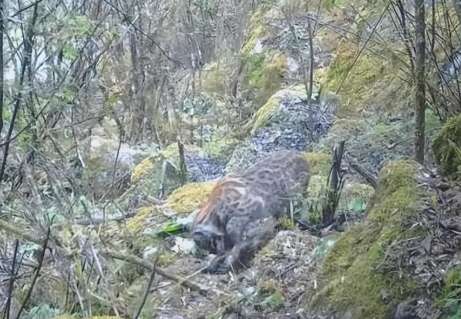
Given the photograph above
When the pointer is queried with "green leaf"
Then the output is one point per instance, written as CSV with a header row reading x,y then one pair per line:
x,y
170,228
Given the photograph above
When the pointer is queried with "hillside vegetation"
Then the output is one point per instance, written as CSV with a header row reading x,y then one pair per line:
x,y
117,119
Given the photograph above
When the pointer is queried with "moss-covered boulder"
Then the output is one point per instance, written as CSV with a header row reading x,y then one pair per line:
x,y
353,281
272,107
220,147
369,80
189,197
447,147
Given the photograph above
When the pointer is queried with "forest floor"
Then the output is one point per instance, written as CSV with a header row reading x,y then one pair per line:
x,y
284,275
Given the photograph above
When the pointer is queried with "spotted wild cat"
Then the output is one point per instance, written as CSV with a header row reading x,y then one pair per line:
x,y
241,212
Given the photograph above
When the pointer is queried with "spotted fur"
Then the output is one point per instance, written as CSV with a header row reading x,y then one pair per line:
x,y
240,203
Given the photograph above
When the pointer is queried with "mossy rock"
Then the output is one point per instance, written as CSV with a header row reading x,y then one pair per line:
x,y
220,147
447,147
189,197
270,109
351,280
148,174
163,165
143,169
257,32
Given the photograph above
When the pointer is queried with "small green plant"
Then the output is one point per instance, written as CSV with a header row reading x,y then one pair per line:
x,y
450,298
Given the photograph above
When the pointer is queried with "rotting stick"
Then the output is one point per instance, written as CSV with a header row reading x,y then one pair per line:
x,y
145,264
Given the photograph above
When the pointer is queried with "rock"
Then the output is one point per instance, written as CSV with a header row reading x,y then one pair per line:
x,y
100,152
184,246
286,121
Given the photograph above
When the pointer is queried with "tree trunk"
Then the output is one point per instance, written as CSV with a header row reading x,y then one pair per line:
x,y
420,96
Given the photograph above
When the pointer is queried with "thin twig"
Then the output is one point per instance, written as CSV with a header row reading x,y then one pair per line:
x,y
141,262
146,293
37,273
12,278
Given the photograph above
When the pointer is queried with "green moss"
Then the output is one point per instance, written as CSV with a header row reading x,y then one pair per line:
x,y
161,166
447,147
286,223
360,83
189,197
142,169
264,114
351,278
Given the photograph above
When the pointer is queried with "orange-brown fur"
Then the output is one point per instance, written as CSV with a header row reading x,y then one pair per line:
x,y
239,216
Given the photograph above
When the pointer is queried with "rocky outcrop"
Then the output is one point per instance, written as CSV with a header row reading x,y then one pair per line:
x,y
286,121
